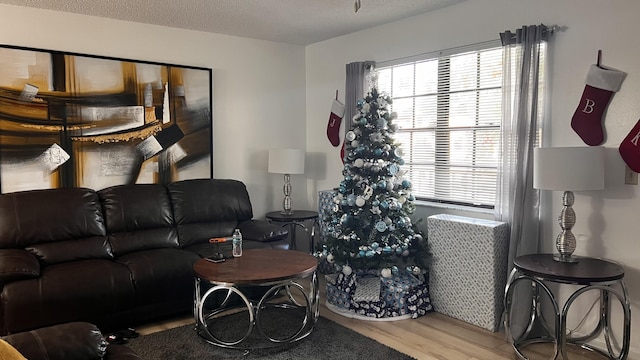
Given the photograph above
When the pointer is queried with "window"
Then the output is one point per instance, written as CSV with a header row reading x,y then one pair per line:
x,y
449,111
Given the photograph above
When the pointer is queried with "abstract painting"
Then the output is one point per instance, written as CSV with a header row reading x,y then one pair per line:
x,y
77,120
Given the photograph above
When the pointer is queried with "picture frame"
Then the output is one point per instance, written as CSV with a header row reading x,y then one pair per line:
x,y
78,120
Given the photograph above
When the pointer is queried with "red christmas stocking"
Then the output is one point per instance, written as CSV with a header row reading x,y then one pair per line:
x,y
333,127
629,149
587,120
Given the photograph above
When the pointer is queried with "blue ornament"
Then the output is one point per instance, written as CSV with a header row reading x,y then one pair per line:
x,y
386,249
369,253
400,161
384,204
377,152
360,102
400,222
394,270
375,203
393,169
382,184
351,200
374,245
361,253
406,184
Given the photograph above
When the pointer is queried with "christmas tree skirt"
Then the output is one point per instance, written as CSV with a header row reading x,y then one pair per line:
x,y
353,315
373,297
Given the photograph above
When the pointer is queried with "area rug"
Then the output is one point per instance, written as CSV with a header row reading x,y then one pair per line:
x,y
328,340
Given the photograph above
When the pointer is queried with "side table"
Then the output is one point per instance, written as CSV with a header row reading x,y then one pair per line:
x,y
588,274
297,218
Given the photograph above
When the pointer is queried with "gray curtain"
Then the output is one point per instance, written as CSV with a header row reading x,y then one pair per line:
x,y
355,88
523,110
517,202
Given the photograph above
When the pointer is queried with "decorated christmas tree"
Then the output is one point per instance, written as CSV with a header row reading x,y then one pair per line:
x,y
369,229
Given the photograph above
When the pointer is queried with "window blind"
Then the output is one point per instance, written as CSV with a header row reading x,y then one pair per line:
x,y
448,107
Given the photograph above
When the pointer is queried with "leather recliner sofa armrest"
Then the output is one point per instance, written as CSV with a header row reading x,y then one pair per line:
x,y
69,341
259,230
17,264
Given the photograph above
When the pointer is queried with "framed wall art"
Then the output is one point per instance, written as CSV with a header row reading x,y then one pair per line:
x,y
76,120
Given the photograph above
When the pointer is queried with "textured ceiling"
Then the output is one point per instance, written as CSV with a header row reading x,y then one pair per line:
x,y
299,22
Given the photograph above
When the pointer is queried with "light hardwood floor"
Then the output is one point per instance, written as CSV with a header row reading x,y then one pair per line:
x,y
430,337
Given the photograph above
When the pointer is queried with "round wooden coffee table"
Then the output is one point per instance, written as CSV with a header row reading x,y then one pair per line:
x,y
225,288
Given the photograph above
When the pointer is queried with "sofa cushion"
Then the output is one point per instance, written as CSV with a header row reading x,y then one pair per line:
x,y
161,275
8,352
87,290
42,216
17,264
96,247
206,208
138,217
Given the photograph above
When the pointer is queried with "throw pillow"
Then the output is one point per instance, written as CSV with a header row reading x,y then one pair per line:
x,y
8,352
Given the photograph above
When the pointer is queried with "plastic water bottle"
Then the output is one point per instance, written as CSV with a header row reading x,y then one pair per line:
x,y
237,243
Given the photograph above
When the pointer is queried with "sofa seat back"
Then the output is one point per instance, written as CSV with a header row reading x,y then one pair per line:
x,y
56,225
138,217
204,208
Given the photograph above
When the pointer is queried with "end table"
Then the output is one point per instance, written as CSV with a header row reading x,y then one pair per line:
x,y
588,274
297,218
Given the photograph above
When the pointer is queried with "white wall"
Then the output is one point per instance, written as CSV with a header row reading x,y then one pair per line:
x,y
606,224
259,86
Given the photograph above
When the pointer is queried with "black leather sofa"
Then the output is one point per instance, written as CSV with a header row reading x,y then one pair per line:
x,y
117,257
70,341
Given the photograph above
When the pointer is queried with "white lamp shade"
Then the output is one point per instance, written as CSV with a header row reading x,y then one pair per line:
x,y
568,168
286,161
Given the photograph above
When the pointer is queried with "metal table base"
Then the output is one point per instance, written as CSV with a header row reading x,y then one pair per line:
x,y
205,318
538,328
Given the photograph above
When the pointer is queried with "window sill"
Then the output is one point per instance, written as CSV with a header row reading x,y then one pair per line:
x,y
453,207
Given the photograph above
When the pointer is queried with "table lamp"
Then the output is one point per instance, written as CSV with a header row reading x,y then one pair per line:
x,y
287,162
568,169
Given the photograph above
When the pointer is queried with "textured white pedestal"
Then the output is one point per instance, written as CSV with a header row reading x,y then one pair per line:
x,y
469,268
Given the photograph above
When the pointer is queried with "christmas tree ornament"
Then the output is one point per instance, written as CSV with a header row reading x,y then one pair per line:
x,y
350,136
335,119
601,84
385,273
629,149
347,270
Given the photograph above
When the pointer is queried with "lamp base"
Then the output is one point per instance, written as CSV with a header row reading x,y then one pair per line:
x,y
565,259
286,212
